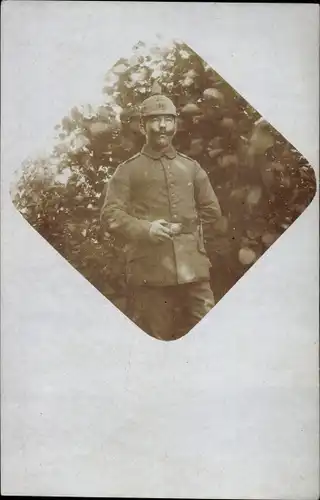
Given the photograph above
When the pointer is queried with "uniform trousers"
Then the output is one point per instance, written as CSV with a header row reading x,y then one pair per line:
x,y
170,312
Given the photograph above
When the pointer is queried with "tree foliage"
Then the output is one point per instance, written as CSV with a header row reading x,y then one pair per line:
x,y
262,182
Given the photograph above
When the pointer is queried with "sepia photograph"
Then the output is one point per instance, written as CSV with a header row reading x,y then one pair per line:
x,y
165,194
159,250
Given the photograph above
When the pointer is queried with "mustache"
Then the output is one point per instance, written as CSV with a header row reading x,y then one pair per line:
x,y
164,133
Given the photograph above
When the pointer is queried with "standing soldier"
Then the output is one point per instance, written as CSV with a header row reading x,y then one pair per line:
x,y
163,203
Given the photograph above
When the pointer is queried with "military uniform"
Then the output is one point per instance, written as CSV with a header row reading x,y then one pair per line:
x,y
166,275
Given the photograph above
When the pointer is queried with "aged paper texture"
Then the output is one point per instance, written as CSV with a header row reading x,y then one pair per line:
x,y
90,407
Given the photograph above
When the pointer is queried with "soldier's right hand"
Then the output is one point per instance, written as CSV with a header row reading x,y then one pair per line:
x,y
159,231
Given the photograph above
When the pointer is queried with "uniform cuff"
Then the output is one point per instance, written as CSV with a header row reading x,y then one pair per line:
x,y
145,228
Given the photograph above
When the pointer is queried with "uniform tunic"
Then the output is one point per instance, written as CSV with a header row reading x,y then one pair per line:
x,y
170,186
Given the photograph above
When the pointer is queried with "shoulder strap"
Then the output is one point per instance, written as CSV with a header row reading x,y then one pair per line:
x,y
131,158
185,156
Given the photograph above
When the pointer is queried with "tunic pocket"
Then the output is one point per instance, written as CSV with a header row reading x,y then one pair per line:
x,y
136,252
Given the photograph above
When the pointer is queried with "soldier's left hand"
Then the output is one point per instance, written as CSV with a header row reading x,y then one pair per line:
x,y
159,230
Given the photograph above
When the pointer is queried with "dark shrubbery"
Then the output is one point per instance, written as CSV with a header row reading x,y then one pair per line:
x,y
262,182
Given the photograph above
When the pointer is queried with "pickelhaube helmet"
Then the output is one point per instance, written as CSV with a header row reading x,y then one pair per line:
x,y
157,104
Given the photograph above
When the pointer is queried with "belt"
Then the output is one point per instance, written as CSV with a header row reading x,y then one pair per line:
x,y
177,228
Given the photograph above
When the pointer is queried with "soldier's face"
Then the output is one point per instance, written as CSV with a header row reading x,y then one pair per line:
x,y
159,130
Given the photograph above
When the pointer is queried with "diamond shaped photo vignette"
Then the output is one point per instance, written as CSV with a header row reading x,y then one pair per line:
x,y
166,193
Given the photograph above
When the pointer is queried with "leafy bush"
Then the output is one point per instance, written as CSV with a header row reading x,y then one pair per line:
x,y
262,182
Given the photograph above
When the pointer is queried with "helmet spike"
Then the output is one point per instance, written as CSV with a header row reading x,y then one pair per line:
x,y
156,88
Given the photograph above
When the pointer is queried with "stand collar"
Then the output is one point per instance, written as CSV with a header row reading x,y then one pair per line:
x,y
170,152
